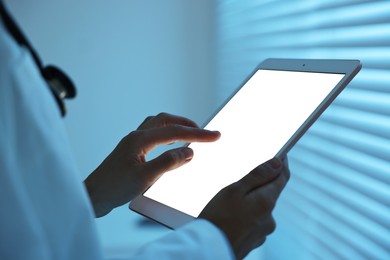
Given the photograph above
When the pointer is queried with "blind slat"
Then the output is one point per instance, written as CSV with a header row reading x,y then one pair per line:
x,y
337,204
333,223
372,145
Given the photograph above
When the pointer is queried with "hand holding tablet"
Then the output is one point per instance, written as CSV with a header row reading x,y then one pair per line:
x,y
243,210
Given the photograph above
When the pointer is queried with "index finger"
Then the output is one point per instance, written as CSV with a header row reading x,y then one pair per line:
x,y
165,119
148,139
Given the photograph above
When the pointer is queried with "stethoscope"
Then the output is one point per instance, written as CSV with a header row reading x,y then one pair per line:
x,y
59,83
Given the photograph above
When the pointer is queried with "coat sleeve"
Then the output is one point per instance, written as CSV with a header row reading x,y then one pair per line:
x,y
197,240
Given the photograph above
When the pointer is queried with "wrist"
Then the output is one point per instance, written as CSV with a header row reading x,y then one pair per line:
x,y
100,207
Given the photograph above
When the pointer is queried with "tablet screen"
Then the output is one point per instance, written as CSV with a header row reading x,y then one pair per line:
x,y
255,124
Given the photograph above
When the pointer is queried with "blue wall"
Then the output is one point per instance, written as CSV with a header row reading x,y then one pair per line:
x,y
129,60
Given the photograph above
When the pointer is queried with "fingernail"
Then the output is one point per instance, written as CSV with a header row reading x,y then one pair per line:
x,y
187,152
216,132
276,163
212,131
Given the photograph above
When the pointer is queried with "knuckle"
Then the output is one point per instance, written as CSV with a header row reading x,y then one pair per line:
x,y
261,241
271,225
134,134
261,172
172,157
260,169
266,205
247,179
230,193
133,137
258,177
148,118
234,188
287,174
168,160
162,115
174,128
226,190
146,122
286,168
266,225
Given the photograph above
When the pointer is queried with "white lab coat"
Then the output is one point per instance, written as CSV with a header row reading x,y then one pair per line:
x,y
45,211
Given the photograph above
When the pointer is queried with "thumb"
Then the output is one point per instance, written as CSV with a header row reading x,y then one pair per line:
x,y
168,161
262,174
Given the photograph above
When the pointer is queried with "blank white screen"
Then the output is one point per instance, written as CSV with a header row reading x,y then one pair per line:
x,y
255,124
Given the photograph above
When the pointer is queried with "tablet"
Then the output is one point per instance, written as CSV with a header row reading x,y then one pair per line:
x,y
262,119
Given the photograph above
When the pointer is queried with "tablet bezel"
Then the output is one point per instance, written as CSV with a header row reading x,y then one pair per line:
x,y
173,218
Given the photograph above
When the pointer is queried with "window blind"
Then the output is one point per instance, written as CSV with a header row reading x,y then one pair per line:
x,y
337,203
